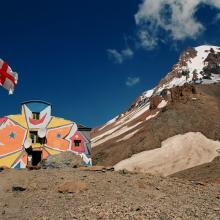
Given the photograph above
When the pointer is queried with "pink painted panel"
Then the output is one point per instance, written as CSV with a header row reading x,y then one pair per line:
x,y
3,120
80,148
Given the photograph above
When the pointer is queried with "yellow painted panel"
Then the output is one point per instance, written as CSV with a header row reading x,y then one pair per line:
x,y
9,160
36,145
52,152
56,122
20,119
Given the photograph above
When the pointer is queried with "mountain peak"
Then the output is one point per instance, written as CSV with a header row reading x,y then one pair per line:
x,y
198,65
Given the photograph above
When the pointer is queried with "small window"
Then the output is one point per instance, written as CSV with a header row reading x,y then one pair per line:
x,y
32,136
36,115
77,143
36,139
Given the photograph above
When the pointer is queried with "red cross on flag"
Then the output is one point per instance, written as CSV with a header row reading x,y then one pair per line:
x,y
8,78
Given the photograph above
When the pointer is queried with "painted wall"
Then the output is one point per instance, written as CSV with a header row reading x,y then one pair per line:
x,y
60,135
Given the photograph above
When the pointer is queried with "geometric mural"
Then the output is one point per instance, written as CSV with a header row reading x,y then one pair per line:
x,y
34,135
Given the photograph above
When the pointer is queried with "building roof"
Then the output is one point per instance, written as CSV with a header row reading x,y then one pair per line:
x,y
37,101
83,128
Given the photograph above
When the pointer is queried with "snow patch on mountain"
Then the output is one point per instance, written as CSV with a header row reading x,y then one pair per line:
x,y
190,68
197,63
112,134
174,82
148,93
162,104
177,153
126,137
108,123
152,116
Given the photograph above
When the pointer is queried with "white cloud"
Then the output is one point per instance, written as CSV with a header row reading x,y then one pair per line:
x,y
120,56
132,81
147,40
217,18
176,18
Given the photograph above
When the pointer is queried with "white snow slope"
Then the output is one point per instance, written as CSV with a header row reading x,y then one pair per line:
x,y
177,153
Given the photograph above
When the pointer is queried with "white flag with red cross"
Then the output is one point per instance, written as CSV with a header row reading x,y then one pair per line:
x,y
8,78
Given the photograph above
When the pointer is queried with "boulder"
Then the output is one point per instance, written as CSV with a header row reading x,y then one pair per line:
x,y
75,186
62,160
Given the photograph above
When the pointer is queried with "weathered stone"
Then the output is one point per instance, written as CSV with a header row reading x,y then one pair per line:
x,y
62,160
93,168
73,187
18,188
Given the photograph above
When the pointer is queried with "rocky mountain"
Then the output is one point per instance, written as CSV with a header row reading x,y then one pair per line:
x,y
186,101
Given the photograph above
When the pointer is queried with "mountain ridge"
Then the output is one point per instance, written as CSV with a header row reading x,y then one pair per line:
x,y
182,72
186,100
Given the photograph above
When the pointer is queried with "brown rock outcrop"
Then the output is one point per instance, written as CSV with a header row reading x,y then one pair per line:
x,y
182,93
154,102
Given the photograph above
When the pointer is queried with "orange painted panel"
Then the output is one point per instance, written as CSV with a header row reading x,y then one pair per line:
x,y
56,138
24,158
45,154
11,137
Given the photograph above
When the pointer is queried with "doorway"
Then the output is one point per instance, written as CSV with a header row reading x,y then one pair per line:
x,y
36,157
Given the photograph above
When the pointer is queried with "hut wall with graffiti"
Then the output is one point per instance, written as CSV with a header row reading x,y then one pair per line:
x,y
34,134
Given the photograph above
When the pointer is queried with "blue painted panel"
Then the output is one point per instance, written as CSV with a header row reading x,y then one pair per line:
x,y
18,166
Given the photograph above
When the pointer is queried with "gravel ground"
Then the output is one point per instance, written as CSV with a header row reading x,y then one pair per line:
x,y
74,194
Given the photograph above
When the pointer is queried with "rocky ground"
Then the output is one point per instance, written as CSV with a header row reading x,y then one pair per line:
x,y
79,194
208,172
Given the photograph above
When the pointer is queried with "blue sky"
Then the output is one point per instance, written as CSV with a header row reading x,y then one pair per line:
x,y
91,59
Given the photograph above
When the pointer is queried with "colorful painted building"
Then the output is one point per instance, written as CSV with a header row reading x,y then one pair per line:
x,y
33,135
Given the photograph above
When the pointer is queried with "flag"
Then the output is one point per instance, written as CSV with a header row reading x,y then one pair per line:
x,y
8,78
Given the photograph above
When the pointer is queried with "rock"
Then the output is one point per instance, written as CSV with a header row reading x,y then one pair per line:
x,y
154,102
73,187
92,168
3,168
217,180
141,185
30,167
164,216
97,168
123,172
18,189
200,183
62,160
183,93
110,168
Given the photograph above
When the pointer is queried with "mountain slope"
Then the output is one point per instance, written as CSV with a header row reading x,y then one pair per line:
x,y
208,172
187,99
